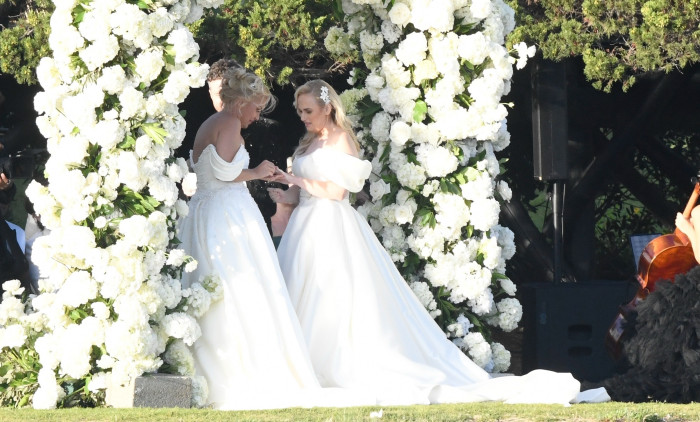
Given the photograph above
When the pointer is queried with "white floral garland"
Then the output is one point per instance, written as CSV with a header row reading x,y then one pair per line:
x,y
111,306
428,112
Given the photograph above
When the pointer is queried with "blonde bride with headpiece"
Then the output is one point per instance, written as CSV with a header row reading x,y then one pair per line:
x,y
364,326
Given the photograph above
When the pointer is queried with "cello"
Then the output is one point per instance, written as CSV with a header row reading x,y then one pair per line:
x,y
662,259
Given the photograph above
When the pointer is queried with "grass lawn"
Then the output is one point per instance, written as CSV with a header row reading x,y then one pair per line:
x,y
478,412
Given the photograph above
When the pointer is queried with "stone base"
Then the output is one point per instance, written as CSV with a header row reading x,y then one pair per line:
x,y
152,390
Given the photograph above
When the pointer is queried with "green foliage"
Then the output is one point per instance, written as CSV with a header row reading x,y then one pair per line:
x,y
619,214
18,376
617,39
25,41
282,41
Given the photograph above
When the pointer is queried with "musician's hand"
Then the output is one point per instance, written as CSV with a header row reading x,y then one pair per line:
x,y
5,182
684,225
282,196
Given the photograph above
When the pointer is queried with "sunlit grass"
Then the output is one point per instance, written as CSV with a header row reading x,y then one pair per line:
x,y
478,412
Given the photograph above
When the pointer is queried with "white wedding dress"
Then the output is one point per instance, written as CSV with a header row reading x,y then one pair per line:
x,y
363,325
251,351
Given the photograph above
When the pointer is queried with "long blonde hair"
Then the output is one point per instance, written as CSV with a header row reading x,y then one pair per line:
x,y
313,87
239,84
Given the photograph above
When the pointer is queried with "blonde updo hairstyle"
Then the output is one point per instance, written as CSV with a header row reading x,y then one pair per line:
x,y
239,86
338,116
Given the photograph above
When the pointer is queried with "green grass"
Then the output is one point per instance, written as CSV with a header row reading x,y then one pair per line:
x,y
477,412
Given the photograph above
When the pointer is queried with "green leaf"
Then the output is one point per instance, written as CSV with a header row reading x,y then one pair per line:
x,y
443,186
155,131
127,143
452,188
426,218
153,202
411,157
4,370
472,173
78,14
464,100
369,109
24,400
338,10
385,154
419,111
77,314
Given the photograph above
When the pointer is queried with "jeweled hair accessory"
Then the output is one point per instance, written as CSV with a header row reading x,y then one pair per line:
x,y
324,95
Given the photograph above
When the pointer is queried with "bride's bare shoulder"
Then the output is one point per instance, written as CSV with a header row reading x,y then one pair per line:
x,y
343,142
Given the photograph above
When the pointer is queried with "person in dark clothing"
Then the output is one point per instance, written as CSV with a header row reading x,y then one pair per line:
x,y
13,263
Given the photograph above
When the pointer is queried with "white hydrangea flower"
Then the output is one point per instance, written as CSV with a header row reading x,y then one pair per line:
x,y
412,49
184,45
422,292
400,132
177,87
149,64
132,24
484,213
391,32
65,40
411,175
501,357
200,391
181,326
400,14
473,47
49,392
179,356
477,347
481,9
510,312
436,160
99,52
48,74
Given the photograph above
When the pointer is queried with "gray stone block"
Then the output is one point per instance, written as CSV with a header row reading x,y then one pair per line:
x,y
152,390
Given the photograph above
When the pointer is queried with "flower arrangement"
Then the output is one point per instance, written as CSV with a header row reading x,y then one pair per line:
x,y
426,105
111,306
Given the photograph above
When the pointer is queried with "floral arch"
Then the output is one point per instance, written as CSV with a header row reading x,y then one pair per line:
x,y
427,106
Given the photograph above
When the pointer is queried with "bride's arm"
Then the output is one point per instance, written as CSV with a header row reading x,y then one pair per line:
x,y
263,170
228,142
318,188
289,196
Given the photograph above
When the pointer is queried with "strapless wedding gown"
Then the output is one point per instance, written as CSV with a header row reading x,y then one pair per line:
x,y
251,351
363,325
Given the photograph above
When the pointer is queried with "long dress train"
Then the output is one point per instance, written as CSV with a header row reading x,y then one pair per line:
x,y
363,325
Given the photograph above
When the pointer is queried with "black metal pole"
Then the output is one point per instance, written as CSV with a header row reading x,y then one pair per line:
x,y
558,219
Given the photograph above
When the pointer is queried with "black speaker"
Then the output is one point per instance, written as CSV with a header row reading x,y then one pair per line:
x,y
549,120
564,326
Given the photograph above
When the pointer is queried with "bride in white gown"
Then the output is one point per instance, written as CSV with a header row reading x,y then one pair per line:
x,y
363,325
251,351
